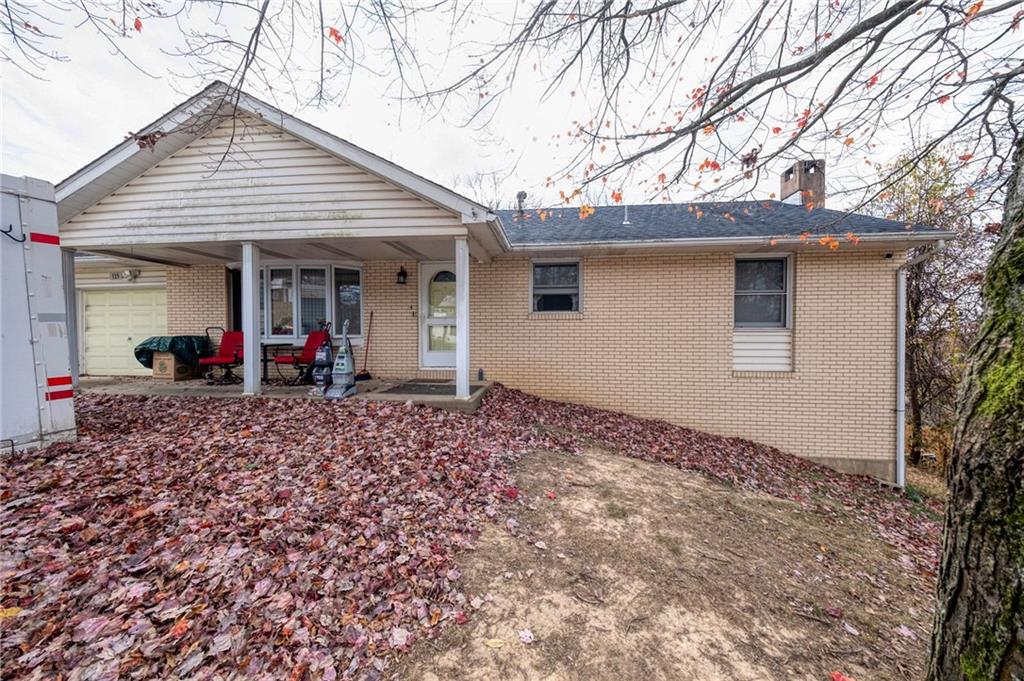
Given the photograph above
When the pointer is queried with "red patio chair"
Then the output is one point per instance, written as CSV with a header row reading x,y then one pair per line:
x,y
304,359
229,355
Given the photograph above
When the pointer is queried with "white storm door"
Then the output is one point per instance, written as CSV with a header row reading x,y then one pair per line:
x,y
437,314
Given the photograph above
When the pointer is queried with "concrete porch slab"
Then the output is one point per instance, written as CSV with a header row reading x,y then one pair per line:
x,y
431,393
439,394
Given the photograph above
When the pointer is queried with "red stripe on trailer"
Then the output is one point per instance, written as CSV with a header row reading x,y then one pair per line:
x,y
59,395
58,380
41,238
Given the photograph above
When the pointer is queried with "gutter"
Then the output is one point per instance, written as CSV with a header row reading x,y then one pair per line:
x,y
712,242
901,359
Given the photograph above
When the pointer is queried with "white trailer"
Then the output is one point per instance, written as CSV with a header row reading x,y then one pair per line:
x,y
36,385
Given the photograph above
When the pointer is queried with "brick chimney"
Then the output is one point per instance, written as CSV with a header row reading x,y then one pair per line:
x,y
804,184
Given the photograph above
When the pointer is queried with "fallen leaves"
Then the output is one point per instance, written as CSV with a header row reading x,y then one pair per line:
x,y
8,613
199,537
165,543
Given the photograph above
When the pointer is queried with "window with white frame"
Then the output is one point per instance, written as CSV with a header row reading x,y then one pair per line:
x,y
555,287
762,293
303,298
282,301
348,301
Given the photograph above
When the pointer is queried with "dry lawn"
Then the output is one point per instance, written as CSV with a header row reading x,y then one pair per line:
x,y
624,569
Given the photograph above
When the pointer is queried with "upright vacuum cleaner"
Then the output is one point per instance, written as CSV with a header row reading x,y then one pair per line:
x,y
335,375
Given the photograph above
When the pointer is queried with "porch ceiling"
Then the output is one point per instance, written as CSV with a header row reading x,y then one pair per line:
x,y
338,249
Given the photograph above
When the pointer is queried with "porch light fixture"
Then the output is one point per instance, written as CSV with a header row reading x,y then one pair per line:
x,y
402,276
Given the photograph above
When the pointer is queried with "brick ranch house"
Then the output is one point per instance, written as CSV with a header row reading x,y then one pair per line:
x,y
717,316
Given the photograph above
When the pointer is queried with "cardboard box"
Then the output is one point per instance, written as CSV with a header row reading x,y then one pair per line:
x,y
166,367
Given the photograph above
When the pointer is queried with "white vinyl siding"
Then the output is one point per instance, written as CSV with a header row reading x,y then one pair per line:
x,y
762,350
270,183
99,276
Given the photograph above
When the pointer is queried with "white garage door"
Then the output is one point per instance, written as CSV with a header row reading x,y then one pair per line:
x,y
115,321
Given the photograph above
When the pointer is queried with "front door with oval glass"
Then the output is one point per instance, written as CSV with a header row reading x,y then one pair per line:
x,y
437,315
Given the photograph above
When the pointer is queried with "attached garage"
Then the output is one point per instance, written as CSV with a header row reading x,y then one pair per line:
x,y
115,321
118,309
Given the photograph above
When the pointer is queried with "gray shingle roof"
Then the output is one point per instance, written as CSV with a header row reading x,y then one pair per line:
x,y
660,222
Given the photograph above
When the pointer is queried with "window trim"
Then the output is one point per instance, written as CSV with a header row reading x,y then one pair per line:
x,y
579,284
356,338
787,291
268,323
328,291
329,268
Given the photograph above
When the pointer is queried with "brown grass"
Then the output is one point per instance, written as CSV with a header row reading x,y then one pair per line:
x,y
650,572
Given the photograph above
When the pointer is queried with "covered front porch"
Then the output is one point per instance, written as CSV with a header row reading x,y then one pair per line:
x,y
404,302
272,227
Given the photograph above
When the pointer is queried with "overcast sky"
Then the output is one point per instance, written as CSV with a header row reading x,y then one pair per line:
x,y
81,107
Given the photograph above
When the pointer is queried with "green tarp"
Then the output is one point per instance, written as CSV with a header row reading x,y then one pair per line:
x,y
188,349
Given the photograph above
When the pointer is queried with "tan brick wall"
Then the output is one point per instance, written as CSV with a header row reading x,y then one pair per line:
x,y
197,297
655,339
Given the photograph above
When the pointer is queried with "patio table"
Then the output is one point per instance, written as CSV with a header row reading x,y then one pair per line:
x,y
266,360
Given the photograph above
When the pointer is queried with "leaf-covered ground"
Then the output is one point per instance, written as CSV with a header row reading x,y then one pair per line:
x,y
200,537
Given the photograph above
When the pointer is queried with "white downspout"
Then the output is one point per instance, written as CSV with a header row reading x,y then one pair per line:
x,y
901,370
901,360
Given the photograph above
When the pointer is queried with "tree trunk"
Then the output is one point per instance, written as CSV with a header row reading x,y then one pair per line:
x,y
914,366
979,619
916,427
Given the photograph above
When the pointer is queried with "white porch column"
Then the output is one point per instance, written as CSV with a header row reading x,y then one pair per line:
x,y
461,318
251,317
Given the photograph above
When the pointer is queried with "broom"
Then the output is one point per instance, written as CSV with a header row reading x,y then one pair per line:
x,y
364,375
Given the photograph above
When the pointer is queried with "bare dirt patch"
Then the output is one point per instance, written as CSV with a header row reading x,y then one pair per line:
x,y
619,568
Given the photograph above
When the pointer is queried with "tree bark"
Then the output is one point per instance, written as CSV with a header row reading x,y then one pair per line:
x,y
979,620
914,378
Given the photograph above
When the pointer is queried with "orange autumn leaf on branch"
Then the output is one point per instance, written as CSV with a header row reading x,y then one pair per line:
x,y
138,24
661,178
586,211
966,157
709,128
617,196
852,238
335,35
848,141
943,99
972,11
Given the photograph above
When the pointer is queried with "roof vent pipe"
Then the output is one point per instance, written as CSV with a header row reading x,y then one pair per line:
x,y
521,201
625,216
